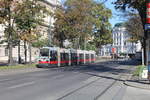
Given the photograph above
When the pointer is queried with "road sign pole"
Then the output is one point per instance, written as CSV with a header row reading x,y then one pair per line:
x,y
147,36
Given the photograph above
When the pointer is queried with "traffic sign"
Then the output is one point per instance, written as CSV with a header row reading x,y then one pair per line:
x,y
148,12
147,26
113,50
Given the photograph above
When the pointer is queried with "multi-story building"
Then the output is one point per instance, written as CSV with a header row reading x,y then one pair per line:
x,y
45,32
105,50
49,20
121,44
121,40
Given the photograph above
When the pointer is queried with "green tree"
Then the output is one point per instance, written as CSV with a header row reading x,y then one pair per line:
x,y
79,21
102,29
138,7
135,29
29,15
40,43
7,14
73,21
133,6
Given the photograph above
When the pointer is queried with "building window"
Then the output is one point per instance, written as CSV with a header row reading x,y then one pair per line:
x,y
6,52
125,43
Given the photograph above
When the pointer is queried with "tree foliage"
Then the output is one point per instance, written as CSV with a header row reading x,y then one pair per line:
x,y
102,30
140,7
29,15
133,5
135,28
7,14
21,19
40,43
136,15
79,21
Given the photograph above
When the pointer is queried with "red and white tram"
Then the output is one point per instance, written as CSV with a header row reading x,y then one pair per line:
x,y
55,56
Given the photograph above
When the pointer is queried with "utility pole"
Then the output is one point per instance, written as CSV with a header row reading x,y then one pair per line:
x,y
49,32
147,36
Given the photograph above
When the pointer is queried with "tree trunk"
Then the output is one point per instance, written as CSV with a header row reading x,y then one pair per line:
x,y
30,54
84,44
146,47
25,51
19,57
10,44
10,61
78,43
61,44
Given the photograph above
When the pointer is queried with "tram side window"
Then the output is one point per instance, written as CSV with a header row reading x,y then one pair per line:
x,y
87,56
92,56
66,56
61,56
44,52
81,56
53,55
73,56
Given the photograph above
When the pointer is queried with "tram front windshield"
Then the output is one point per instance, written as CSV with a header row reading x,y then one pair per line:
x,y
44,52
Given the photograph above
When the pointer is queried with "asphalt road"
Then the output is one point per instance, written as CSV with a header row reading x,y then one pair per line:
x,y
100,81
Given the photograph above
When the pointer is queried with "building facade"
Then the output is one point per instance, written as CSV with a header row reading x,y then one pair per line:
x,y
121,44
45,32
121,41
105,50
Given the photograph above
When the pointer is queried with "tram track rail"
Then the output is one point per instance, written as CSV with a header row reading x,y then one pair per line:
x,y
111,85
78,89
105,90
84,86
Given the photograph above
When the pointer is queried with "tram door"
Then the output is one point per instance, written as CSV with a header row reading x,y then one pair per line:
x,y
81,58
87,58
74,58
53,57
64,60
92,58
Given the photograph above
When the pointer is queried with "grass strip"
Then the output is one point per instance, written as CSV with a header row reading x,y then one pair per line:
x,y
19,66
138,70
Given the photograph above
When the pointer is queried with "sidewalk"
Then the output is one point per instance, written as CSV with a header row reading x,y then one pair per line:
x,y
137,83
137,89
136,94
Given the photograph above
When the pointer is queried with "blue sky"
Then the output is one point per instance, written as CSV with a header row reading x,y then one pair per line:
x,y
115,13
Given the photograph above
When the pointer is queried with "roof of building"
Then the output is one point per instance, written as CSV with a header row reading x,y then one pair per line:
x,y
120,25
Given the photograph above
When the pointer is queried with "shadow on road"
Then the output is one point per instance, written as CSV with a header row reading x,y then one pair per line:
x,y
116,67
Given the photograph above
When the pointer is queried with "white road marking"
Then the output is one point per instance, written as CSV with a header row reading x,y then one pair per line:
x,y
90,79
21,85
59,76
4,80
75,72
